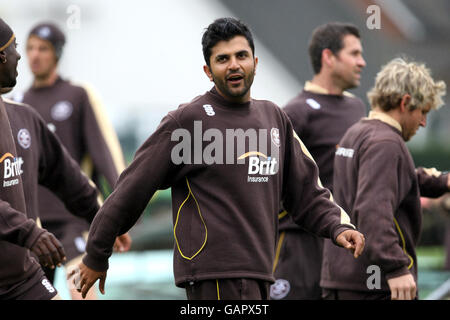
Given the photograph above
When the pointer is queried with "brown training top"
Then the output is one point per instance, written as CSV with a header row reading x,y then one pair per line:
x,y
225,198
17,232
44,161
375,180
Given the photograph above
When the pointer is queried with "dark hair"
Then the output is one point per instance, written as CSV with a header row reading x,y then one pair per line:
x,y
52,33
328,36
224,29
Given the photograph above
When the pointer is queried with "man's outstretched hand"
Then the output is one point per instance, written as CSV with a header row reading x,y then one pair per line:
x,y
84,278
352,240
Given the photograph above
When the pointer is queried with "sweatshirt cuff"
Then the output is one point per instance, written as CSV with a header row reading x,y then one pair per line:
x,y
35,233
96,264
397,273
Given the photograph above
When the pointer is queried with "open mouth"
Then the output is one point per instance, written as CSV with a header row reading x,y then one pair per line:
x,y
235,78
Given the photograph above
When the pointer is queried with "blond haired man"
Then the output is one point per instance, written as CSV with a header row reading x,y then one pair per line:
x,y
375,180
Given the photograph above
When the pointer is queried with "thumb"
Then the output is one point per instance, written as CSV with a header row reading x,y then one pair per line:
x,y
342,240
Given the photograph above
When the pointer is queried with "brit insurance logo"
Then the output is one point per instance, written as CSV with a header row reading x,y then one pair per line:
x,y
61,111
260,166
24,138
11,169
257,148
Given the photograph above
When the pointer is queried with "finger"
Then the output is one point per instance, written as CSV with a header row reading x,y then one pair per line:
x,y
394,294
37,251
359,246
85,288
413,292
48,251
45,255
101,285
71,273
59,248
118,246
55,249
407,294
401,294
345,243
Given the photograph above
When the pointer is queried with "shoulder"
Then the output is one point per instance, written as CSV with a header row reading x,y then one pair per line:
x,y
377,135
19,107
69,86
271,109
295,104
354,100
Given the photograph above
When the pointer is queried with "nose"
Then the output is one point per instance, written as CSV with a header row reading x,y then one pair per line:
x,y
234,65
361,62
423,121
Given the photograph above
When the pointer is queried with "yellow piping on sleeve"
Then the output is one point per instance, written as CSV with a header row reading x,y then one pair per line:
x,y
218,291
277,253
403,243
176,224
282,214
106,129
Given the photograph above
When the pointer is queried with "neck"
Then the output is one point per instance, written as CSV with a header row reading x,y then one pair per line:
x,y
238,100
46,81
327,83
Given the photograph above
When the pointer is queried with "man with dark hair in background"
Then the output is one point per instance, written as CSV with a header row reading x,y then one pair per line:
x,y
77,118
320,115
21,276
224,213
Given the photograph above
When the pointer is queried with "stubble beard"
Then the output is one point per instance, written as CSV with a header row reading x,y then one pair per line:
x,y
224,87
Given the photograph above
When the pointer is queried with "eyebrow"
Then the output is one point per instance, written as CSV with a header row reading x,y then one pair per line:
x,y
226,55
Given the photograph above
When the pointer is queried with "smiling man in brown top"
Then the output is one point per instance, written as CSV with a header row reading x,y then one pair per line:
x,y
375,180
237,160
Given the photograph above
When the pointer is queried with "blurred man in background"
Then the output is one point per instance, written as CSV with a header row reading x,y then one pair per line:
x,y
320,115
78,119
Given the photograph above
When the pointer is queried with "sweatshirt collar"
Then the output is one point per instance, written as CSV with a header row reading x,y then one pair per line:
x,y
314,88
383,117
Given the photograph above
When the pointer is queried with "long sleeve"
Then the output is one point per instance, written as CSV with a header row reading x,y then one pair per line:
x,y
151,169
380,186
16,228
62,175
310,205
100,139
432,183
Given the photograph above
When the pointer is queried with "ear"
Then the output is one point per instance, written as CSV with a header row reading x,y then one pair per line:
x,y
404,103
256,63
327,57
3,56
208,73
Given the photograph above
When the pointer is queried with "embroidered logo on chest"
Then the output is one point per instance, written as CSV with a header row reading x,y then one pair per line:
x,y
24,138
61,111
313,104
209,110
275,136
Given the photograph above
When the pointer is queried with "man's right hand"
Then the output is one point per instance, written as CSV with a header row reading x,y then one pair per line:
x,y
403,287
49,250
